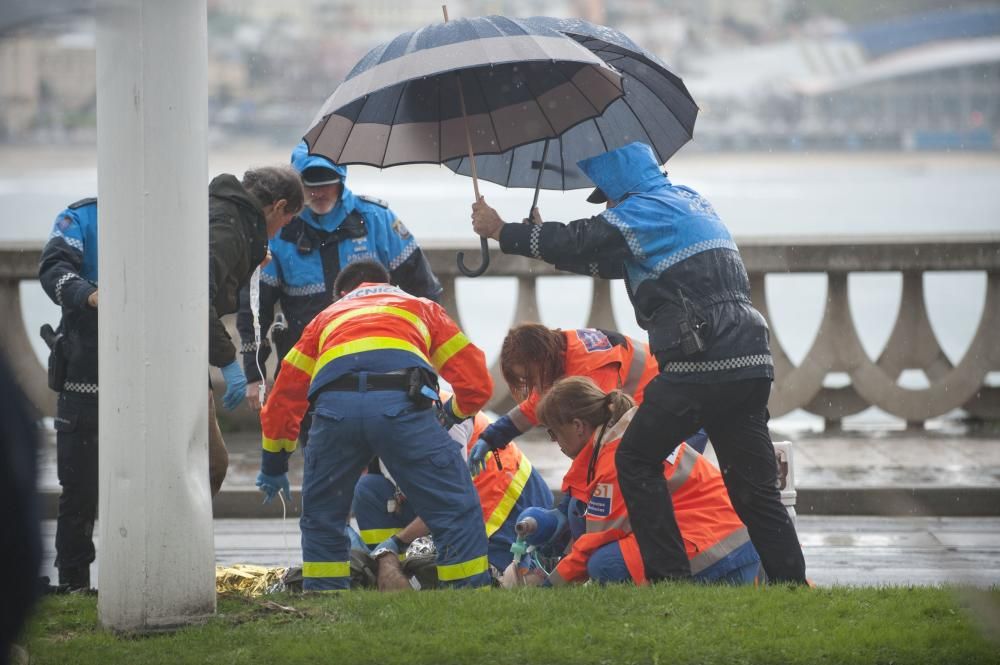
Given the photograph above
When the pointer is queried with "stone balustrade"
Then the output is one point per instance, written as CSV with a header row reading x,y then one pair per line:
x,y
837,348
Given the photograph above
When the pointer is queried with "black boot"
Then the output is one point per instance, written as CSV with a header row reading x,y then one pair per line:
x,y
75,579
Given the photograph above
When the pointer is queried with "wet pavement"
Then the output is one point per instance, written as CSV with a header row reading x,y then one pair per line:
x,y
890,473
856,551
855,460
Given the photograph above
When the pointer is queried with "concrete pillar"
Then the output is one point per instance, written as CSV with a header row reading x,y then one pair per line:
x,y
156,558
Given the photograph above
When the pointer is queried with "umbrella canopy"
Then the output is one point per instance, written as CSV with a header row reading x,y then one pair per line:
x,y
657,109
401,103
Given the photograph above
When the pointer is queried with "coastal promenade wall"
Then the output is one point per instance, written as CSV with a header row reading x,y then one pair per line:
x,y
837,347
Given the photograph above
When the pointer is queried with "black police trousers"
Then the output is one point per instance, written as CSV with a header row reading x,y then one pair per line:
x,y
76,460
734,414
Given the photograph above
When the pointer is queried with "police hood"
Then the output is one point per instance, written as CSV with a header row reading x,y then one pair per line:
x,y
628,170
302,160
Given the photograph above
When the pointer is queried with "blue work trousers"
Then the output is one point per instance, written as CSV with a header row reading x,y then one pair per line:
x,y
374,496
740,566
348,429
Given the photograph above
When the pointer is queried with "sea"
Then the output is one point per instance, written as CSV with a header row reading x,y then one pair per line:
x,y
777,196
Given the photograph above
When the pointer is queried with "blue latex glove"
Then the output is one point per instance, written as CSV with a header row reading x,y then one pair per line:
x,y
477,457
236,385
270,485
389,545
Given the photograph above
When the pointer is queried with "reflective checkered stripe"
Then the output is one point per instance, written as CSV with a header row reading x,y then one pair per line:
x,y
534,237
61,283
627,232
405,254
456,572
720,550
336,573
719,365
304,290
84,388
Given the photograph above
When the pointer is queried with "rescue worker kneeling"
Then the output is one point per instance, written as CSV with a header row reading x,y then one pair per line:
x,y
389,523
369,364
588,425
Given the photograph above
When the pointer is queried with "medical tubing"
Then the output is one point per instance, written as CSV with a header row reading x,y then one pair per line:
x,y
255,311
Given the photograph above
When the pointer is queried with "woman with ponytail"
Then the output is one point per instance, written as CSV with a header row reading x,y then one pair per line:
x,y
588,425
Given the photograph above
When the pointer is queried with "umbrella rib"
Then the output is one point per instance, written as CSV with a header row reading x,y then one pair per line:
x,y
534,98
680,124
489,113
392,121
440,122
562,163
597,111
510,167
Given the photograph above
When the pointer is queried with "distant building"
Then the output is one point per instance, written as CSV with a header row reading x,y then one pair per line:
x,y
923,82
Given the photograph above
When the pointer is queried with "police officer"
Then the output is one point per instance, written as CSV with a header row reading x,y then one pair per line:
x,y
690,291
338,228
369,364
68,273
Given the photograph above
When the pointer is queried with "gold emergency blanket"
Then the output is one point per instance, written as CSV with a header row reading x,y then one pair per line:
x,y
247,579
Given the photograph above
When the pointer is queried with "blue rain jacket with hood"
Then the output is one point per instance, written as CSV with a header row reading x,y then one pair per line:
x,y
308,254
681,267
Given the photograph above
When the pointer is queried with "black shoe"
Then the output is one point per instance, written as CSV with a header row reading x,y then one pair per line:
x,y
75,579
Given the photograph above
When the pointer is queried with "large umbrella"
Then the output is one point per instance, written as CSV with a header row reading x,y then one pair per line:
x,y
479,85
656,109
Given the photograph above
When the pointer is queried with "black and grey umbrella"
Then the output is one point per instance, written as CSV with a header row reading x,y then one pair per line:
x,y
656,109
479,85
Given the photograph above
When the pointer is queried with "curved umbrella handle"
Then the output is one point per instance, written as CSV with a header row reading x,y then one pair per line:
x,y
470,272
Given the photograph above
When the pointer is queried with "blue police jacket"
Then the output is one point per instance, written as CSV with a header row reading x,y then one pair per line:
x,y
682,270
68,274
308,254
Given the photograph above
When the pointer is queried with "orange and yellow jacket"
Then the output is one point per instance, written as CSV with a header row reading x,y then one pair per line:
x,y
376,328
499,490
612,360
708,523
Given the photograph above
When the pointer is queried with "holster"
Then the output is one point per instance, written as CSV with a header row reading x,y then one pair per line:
x,y
420,378
690,326
58,360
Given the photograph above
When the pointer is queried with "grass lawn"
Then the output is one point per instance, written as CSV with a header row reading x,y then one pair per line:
x,y
622,624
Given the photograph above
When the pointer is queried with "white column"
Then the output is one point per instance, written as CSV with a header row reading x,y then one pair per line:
x,y
156,556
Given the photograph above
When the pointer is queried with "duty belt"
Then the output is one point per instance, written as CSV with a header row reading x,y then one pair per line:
x,y
354,382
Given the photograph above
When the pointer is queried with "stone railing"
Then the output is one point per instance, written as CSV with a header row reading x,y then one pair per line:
x,y
837,348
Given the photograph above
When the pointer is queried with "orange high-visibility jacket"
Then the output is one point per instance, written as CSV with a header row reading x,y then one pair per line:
x,y
498,489
708,523
617,362
376,328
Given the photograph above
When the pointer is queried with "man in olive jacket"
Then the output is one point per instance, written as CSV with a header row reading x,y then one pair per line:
x,y
242,216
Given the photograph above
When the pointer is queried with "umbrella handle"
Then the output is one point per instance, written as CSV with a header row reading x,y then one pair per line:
x,y
475,272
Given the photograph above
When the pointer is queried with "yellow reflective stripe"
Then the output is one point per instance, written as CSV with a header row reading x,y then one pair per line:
x,y
449,349
459,571
377,309
326,569
277,445
510,497
366,344
376,536
296,358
